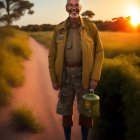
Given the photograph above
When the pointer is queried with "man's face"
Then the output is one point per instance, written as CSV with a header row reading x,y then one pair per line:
x,y
73,7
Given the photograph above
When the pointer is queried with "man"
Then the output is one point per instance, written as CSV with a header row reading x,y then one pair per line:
x,y
75,62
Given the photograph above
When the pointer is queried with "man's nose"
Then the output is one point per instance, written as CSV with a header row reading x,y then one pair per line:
x,y
74,7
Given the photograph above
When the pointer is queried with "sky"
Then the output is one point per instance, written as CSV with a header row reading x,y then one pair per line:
x,y
53,11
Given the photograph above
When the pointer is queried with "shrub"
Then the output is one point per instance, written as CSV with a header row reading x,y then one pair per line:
x,y
11,68
18,47
23,119
119,92
5,92
7,32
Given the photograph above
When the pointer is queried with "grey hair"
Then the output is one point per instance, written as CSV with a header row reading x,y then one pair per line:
x,y
79,2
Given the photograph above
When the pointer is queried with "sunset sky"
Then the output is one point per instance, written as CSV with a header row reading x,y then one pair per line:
x,y
53,11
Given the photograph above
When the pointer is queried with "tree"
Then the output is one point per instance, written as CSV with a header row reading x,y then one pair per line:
x,y
12,10
88,14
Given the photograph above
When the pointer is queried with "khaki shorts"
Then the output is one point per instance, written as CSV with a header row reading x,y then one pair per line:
x,y
72,86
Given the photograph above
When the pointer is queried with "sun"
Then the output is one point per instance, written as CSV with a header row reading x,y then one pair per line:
x,y
135,15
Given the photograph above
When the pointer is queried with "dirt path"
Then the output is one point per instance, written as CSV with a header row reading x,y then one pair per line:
x,y
37,94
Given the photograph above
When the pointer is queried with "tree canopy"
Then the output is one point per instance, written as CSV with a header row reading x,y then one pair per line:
x,y
12,10
88,14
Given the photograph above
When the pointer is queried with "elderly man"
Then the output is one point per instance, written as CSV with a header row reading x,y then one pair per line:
x,y
75,63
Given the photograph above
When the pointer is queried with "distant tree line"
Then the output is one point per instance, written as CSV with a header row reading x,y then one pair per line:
x,y
116,24
35,28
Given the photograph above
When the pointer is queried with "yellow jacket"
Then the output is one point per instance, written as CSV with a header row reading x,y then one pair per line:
x,y
92,52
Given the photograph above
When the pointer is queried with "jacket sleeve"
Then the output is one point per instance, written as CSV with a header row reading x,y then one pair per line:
x,y
98,56
52,58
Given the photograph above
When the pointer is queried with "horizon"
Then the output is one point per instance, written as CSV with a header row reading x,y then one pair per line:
x,y
45,11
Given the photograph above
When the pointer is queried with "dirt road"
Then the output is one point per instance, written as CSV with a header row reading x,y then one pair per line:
x,y
38,95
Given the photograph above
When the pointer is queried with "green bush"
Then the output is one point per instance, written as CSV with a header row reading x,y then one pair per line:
x,y
23,119
5,92
119,93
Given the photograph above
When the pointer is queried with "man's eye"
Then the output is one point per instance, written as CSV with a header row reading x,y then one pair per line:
x,y
77,5
70,5
73,5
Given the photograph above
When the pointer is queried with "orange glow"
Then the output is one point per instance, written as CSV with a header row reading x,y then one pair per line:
x,y
135,15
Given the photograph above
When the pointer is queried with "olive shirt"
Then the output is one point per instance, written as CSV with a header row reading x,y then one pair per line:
x,y
73,49
92,52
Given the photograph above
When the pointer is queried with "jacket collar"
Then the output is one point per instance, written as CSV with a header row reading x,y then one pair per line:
x,y
65,23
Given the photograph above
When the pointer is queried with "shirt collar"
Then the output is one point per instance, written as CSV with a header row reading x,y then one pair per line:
x,y
66,23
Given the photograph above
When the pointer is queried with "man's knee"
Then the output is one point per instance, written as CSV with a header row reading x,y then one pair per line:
x,y
67,121
85,121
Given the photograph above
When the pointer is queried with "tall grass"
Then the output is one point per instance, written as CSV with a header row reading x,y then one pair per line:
x,y
43,37
11,68
5,92
17,46
23,119
6,32
13,50
116,43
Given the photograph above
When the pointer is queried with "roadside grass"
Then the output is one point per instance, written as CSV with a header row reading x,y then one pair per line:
x,y
11,68
6,32
23,119
14,50
18,46
43,37
5,92
116,43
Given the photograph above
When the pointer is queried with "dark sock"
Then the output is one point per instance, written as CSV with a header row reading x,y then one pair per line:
x,y
67,132
84,131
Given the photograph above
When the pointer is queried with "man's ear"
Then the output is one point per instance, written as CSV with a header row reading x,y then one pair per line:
x,y
66,8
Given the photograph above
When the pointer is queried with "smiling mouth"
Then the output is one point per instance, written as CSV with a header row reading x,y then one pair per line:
x,y
74,13
76,10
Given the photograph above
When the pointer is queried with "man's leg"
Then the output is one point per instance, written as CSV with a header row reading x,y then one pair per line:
x,y
65,108
85,123
67,124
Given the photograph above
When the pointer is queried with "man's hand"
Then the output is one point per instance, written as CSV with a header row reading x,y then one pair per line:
x,y
93,84
55,86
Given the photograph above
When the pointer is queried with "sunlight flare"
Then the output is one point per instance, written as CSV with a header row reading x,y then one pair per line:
x,y
134,12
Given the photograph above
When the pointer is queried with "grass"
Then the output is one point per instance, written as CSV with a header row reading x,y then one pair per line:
x,y
13,50
18,46
11,68
15,42
116,43
5,92
6,32
23,119
43,37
